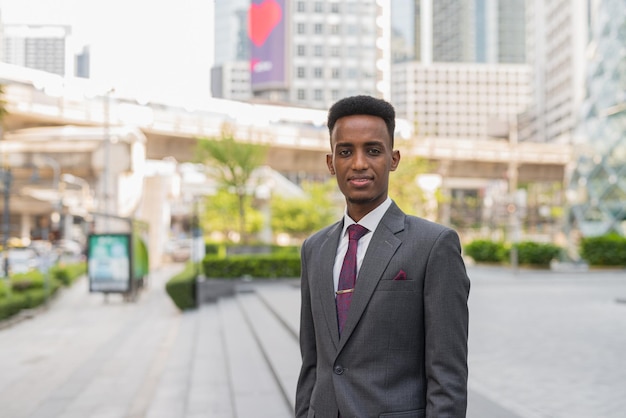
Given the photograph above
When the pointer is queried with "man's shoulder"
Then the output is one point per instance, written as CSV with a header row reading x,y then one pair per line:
x,y
322,234
426,225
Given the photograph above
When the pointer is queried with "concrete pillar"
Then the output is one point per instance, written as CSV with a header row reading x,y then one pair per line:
x,y
26,224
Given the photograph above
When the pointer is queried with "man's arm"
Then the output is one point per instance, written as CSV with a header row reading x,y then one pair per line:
x,y
308,350
446,290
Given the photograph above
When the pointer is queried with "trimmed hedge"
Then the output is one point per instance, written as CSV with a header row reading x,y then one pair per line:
x,y
528,252
604,250
486,251
28,289
535,253
258,266
182,288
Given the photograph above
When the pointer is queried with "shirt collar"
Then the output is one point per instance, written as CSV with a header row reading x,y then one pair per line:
x,y
371,220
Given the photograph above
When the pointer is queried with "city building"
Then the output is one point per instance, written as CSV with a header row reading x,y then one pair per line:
x,y
82,63
597,186
557,38
305,53
470,31
230,74
461,100
41,47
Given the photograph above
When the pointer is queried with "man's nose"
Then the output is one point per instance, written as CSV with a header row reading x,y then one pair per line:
x,y
360,160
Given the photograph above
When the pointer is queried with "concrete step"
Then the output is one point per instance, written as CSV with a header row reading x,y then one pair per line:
x,y
254,388
276,342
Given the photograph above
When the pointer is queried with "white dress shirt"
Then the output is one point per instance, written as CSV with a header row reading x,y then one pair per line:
x,y
370,221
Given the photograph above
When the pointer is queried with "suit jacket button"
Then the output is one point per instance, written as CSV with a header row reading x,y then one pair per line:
x,y
338,370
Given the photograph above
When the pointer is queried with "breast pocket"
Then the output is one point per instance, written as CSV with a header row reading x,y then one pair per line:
x,y
397,286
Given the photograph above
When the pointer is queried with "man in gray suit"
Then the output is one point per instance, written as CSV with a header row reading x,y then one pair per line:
x,y
398,346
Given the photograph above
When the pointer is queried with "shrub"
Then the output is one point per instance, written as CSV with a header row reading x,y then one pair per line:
x,y
258,266
604,250
535,253
11,305
486,251
182,288
23,282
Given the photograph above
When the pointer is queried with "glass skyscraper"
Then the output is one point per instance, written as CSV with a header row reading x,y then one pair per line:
x,y
597,185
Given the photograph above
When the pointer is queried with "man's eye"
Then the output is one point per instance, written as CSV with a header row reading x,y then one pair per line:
x,y
374,151
344,152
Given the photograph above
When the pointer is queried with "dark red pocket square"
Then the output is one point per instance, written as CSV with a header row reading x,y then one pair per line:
x,y
400,276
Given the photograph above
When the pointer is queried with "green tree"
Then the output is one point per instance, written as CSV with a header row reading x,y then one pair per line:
x,y
234,162
301,216
220,210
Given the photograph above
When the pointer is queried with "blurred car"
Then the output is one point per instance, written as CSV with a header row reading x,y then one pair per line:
x,y
22,260
69,251
179,250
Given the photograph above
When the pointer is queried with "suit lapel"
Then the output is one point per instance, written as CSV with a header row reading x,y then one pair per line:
x,y
328,251
382,247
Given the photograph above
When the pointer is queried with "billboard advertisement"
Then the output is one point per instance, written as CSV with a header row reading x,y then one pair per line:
x,y
109,262
267,33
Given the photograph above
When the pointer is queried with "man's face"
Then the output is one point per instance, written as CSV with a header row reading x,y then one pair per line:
x,y
361,160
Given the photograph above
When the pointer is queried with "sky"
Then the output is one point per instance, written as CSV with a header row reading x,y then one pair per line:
x,y
149,48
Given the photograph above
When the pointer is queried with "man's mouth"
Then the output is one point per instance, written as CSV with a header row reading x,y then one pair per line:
x,y
360,181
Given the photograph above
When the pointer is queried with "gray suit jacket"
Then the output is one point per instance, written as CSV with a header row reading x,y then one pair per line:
x,y
403,350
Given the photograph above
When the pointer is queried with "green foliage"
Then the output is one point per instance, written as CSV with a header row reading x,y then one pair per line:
x,y
27,281
4,290
67,274
536,253
221,211
299,217
486,251
210,248
28,290
234,162
257,266
403,187
182,288
604,250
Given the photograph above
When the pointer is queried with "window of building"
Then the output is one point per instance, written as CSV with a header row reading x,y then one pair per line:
x,y
335,73
334,94
318,50
301,50
334,7
301,6
318,28
318,7
335,51
318,94
301,28
301,72
318,72
335,30
301,94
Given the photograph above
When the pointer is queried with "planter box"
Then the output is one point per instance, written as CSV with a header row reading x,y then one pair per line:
x,y
211,290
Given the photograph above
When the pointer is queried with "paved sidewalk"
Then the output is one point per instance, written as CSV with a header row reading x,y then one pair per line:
x,y
542,344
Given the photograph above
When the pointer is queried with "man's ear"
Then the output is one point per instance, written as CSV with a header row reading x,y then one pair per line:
x,y
395,160
329,163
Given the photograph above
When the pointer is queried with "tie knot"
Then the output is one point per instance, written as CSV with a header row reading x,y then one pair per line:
x,y
356,231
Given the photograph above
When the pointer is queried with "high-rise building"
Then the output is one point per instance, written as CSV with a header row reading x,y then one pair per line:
x,y
82,62
42,47
597,186
307,53
230,75
557,37
468,31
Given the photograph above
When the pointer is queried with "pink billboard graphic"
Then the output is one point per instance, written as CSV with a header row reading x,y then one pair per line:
x,y
266,30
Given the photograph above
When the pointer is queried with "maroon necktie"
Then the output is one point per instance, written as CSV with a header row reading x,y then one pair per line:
x,y
347,277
